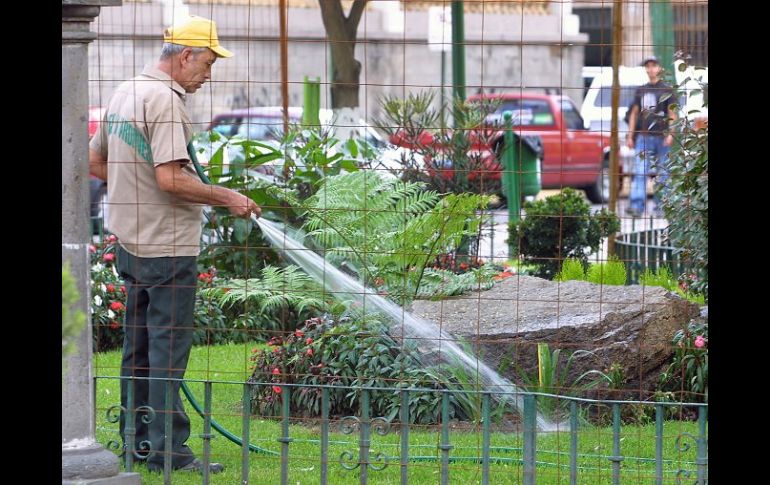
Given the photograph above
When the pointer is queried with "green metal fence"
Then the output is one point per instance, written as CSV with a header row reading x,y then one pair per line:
x,y
373,449
649,249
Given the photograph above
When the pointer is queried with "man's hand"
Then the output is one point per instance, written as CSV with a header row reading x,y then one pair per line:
x,y
630,141
242,206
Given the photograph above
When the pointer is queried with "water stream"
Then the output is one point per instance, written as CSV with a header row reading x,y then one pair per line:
x,y
428,334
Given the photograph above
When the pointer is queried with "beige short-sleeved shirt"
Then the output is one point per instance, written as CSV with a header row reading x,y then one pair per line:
x,y
146,124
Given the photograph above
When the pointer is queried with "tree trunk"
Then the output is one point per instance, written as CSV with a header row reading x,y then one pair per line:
x,y
341,32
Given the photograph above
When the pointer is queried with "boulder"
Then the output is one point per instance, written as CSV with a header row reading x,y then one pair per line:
x,y
628,325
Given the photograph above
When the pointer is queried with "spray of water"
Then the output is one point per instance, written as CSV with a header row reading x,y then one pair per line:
x,y
427,333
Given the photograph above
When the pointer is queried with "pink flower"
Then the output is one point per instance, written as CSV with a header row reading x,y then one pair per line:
x,y
276,371
112,238
110,287
277,389
700,342
114,325
91,248
309,341
108,257
299,333
309,352
116,306
123,289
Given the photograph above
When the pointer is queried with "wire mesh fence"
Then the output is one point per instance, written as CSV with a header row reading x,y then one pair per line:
x,y
446,276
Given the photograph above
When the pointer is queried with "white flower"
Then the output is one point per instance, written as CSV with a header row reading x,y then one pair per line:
x,y
103,287
98,300
110,314
97,267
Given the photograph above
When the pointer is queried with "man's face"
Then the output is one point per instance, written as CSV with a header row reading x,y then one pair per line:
x,y
653,69
196,69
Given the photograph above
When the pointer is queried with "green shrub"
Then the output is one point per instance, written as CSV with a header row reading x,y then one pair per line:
x,y
572,269
612,272
355,351
559,227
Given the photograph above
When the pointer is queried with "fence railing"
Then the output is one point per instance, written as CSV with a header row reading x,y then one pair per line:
x,y
649,249
575,452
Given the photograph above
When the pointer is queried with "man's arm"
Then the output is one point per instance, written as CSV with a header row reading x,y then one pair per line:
x,y
632,125
97,165
173,180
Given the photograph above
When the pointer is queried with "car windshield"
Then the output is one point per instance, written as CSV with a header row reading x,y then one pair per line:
x,y
526,112
604,100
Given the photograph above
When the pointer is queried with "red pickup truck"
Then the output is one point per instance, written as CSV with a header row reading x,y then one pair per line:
x,y
572,156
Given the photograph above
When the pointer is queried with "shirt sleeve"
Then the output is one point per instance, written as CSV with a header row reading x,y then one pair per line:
x,y
165,118
98,142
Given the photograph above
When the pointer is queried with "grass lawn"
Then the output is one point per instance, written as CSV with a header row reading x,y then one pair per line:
x,y
231,363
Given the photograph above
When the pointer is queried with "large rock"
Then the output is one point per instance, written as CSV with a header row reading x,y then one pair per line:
x,y
629,325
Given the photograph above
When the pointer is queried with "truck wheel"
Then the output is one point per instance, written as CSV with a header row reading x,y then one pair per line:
x,y
599,191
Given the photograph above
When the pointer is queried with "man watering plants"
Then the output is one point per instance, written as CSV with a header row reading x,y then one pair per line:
x,y
156,202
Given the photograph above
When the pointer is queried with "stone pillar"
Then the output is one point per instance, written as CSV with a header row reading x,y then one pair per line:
x,y
83,460
637,35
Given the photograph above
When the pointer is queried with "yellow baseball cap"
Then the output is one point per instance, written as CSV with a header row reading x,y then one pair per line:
x,y
196,31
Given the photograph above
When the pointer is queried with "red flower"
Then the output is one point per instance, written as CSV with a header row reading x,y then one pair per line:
x,y
112,238
309,341
110,287
91,248
299,333
123,289
276,371
309,352
114,325
116,306
277,389
108,257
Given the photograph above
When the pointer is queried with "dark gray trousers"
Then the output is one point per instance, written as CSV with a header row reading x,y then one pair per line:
x,y
158,326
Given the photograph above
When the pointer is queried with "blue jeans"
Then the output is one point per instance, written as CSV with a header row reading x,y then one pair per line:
x,y
651,157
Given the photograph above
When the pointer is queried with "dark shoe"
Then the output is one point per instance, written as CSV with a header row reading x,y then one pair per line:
x,y
197,466
633,212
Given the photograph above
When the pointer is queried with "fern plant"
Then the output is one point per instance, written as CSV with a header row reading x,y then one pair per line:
x,y
279,291
386,230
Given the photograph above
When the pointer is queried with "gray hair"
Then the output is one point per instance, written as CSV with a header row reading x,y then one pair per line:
x,y
168,50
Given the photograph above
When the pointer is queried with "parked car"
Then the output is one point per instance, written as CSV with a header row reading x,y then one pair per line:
x,y
265,124
573,156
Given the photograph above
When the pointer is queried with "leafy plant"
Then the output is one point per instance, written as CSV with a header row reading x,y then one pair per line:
x,y
664,278
108,296
355,351
277,301
685,197
387,231
552,378
447,162
688,371
559,227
